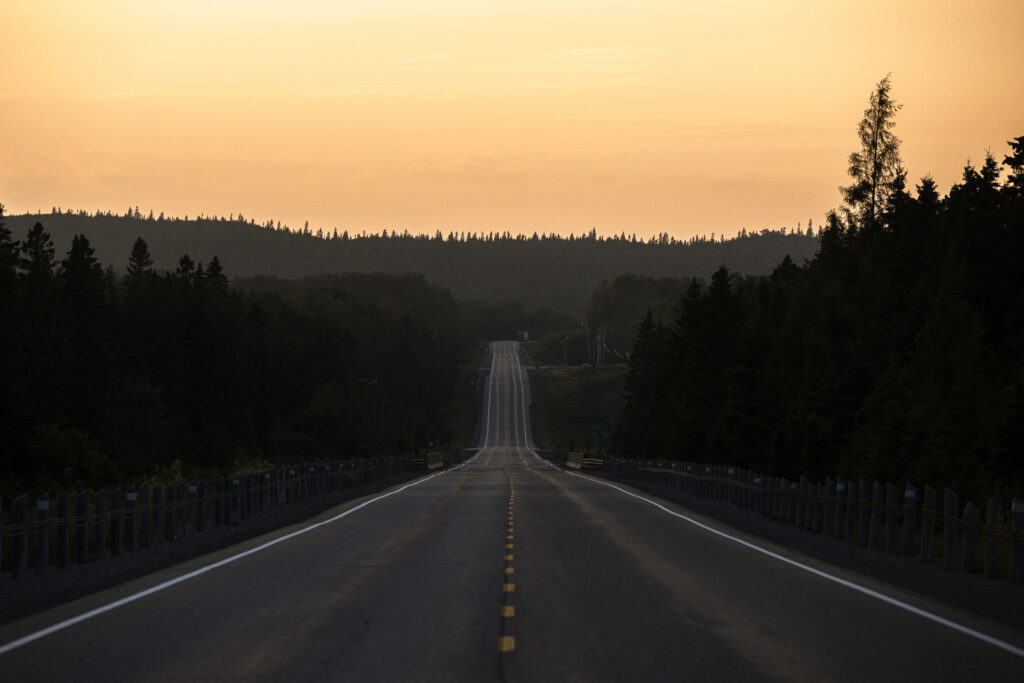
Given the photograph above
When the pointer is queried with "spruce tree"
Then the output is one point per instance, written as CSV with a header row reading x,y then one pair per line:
x,y
876,167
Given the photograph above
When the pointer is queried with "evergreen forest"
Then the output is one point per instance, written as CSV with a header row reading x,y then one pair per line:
x,y
110,376
896,353
562,272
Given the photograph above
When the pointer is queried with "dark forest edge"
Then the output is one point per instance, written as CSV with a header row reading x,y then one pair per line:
x,y
560,271
896,353
114,377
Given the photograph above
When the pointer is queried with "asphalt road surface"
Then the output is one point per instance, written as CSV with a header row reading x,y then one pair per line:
x,y
506,568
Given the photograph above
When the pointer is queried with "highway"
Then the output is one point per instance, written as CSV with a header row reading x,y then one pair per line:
x,y
506,568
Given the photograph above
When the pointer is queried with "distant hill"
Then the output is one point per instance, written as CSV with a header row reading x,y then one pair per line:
x,y
556,272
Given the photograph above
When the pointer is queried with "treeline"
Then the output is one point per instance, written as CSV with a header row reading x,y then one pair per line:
x,y
109,377
562,272
897,352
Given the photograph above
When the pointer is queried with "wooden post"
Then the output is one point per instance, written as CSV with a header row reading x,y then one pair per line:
x,y
909,519
829,522
892,513
972,515
42,533
928,523
82,527
179,511
852,495
864,513
63,531
131,509
192,518
840,522
157,513
19,547
115,521
877,500
801,505
992,521
1017,546
145,518
950,513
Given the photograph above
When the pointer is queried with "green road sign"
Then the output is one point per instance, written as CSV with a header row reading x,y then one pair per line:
x,y
599,429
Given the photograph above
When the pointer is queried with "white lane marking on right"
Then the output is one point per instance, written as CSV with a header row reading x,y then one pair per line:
x,y
60,626
1003,645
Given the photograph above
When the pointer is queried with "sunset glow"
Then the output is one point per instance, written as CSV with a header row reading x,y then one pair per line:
x,y
686,117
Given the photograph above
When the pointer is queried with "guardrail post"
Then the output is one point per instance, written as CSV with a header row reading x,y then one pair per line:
x,y
99,532
828,527
852,511
801,503
205,508
928,523
1017,545
63,531
130,516
992,520
817,519
970,545
840,521
864,512
191,516
877,500
909,518
19,546
949,510
115,521
144,517
42,533
892,497
82,519
155,514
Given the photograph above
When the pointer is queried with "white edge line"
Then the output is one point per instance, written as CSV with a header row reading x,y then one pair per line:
x,y
49,630
522,395
1012,649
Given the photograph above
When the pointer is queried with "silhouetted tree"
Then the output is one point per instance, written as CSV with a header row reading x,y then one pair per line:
x,y
876,166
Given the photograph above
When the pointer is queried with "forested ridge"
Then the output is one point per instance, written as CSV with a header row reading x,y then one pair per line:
x,y
493,266
896,353
109,377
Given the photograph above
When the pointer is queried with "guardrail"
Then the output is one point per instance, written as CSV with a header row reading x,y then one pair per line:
x,y
873,514
87,526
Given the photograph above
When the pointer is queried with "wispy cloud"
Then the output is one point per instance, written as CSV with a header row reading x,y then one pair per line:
x,y
101,94
16,95
436,57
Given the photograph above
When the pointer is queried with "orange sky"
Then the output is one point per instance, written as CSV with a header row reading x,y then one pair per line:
x,y
686,117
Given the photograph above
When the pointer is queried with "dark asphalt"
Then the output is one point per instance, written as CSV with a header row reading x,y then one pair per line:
x,y
504,568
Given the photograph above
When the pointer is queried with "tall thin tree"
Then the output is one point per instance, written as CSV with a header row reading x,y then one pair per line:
x,y
876,167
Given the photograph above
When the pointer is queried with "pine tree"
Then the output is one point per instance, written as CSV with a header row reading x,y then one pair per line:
x,y
140,265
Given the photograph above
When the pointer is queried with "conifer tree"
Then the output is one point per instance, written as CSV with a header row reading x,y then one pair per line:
x,y
876,167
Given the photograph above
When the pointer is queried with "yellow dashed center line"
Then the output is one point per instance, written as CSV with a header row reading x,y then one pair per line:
x,y
507,643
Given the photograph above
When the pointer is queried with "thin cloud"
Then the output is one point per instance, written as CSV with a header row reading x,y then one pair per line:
x,y
101,94
436,57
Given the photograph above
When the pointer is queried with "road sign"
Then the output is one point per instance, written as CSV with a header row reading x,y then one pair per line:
x,y
599,429
587,449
